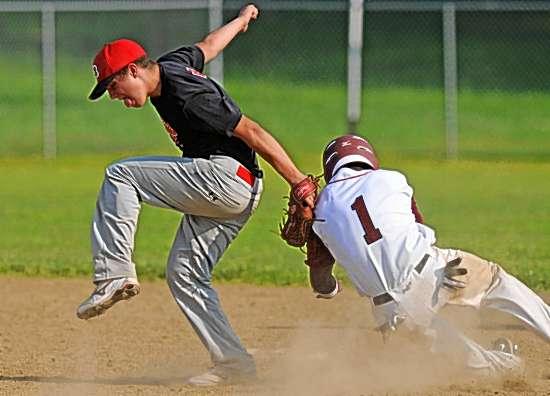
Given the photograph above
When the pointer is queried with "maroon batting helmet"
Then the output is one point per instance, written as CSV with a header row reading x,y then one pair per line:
x,y
345,150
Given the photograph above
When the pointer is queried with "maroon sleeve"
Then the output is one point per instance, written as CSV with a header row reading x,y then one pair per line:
x,y
317,253
320,262
417,215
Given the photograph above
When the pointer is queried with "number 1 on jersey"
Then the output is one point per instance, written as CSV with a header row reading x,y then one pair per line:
x,y
372,234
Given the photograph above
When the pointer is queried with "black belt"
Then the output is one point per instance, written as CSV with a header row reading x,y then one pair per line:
x,y
385,297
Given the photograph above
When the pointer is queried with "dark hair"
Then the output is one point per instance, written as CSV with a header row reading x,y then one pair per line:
x,y
143,62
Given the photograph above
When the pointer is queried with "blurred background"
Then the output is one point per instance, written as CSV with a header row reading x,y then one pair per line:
x,y
456,93
290,71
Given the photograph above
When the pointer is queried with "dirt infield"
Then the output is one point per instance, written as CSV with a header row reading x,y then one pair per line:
x,y
302,346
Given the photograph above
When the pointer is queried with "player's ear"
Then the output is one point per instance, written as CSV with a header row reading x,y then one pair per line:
x,y
133,69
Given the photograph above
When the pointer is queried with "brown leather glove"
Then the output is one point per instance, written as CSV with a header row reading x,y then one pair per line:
x,y
297,226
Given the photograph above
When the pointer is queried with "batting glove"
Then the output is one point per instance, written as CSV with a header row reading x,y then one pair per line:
x,y
451,272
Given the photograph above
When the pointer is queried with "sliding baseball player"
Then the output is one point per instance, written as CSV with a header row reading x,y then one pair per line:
x,y
367,220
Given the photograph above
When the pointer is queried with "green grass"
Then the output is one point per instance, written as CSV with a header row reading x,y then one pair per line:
x,y
493,201
497,210
401,122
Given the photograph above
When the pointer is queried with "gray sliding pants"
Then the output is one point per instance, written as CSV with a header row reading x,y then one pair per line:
x,y
216,200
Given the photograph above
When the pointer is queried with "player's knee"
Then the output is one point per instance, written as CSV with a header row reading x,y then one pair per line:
x,y
115,171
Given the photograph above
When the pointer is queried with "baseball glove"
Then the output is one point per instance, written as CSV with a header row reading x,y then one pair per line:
x,y
296,228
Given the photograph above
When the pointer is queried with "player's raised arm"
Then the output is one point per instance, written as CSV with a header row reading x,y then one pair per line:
x,y
216,41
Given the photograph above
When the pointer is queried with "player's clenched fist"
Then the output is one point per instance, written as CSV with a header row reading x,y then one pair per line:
x,y
248,13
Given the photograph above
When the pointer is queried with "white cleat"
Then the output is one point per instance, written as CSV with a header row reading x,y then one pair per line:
x,y
210,378
106,294
215,377
506,345
513,364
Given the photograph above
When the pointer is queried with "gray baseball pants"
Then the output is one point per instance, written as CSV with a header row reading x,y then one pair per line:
x,y
486,285
216,200
489,286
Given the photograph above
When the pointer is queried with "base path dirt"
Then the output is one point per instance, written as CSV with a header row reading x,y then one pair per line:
x,y
302,346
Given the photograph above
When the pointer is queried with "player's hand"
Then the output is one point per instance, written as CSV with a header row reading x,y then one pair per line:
x,y
248,13
305,191
296,228
452,272
309,201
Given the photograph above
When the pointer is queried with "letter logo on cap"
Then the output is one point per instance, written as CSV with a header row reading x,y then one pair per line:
x,y
95,71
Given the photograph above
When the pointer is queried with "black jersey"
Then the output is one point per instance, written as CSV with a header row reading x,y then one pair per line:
x,y
197,112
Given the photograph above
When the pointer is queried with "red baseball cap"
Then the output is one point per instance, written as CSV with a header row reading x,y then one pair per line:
x,y
113,57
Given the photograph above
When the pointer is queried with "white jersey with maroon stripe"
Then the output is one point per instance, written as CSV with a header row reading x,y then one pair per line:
x,y
370,229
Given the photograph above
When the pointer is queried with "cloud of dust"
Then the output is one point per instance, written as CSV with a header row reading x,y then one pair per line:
x,y
351,358
83,348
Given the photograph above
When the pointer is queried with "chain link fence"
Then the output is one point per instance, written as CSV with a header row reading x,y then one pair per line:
x,y
289,71
20,51
80,126
502,96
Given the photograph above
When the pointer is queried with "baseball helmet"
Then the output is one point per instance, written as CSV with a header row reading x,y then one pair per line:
x,y
345,150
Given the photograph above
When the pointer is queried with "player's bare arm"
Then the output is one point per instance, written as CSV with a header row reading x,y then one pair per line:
x,y
216,41
268,148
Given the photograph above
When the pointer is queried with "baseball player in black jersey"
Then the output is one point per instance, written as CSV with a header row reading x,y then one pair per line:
x,y
216,183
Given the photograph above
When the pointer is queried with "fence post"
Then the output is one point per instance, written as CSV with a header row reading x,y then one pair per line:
x,y
355,46
215,18
450,70
48,81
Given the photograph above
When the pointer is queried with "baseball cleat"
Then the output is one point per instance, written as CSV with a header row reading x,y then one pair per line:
x,y
210,378
215,377
506,345
106,294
